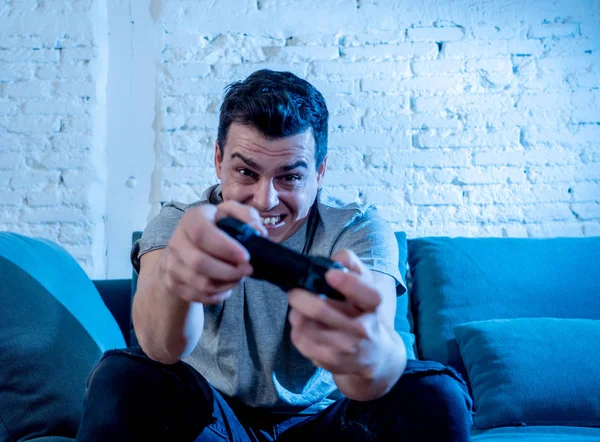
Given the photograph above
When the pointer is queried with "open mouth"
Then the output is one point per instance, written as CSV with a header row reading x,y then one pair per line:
x,y
273,221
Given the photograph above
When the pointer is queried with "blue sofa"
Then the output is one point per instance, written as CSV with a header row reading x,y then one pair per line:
x,y
517,318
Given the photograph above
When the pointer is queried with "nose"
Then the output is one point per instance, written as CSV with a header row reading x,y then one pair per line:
x,y
265,197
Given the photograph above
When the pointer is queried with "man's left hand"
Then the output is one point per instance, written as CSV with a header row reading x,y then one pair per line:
x,y
348,338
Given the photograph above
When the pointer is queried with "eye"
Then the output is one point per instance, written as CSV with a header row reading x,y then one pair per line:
x,y
247,173
290,178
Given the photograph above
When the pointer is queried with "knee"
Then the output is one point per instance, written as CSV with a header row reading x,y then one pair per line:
x,y
119,373
444,398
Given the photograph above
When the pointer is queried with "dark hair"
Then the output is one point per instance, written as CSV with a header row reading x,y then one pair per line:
x,y
278,104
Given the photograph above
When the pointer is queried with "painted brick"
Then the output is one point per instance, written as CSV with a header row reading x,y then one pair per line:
x,y
444,121
57,214
517,194
34,180
439,195
54,107
494,32
561,173
75,234
30,124
61,142
586,191
591,228
29,55
78,54
569,47
337,87
43,198
76,89
483,138
10,160
494,65
390,86
477,48
11,198
10,214
464,102
390,52
358,70
29,89
23,142
551,30
525,47
586,211
76,178
241,71
4,179
436,68
551,229
491,175
545,213
435,34
8,107
189,70
79,70
10,71
295,54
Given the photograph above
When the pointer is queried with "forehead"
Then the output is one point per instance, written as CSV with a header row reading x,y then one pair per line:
x,y
248,140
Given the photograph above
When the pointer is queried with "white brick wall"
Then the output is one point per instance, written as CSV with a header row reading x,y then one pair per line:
x,y
48,107
468,119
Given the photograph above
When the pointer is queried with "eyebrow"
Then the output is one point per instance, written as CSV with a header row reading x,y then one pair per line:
x,y
255,166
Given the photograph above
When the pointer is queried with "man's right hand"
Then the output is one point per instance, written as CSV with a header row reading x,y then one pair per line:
x,y
201,263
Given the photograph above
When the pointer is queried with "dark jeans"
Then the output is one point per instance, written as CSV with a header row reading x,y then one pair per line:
x,y
133,398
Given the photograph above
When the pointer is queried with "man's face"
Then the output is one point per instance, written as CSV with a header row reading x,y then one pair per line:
x,y
278,177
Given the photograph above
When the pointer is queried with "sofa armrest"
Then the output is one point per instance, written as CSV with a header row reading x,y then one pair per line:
x,y
116,294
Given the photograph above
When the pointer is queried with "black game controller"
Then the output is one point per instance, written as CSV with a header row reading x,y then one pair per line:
x,y
281,265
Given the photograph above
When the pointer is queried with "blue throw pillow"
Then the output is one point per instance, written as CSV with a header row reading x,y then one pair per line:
x,y
533,371
54,328
458,280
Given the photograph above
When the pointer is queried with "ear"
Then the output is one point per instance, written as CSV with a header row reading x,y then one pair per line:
x,y
218,160
321,172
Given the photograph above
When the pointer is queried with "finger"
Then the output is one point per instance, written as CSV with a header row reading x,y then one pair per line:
x,y
356,290
193,287
244,213
318,309
206,236
319,355
316,332
212,268
220,297
349,260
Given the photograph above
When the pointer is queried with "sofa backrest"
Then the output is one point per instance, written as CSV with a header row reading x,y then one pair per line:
x,y
457,280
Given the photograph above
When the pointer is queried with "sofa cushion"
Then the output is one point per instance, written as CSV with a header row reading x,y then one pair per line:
x,y
56,270
537,434
533,371
458,280
53,329
403,319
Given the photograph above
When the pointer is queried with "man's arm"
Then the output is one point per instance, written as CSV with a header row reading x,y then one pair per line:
x,y
199,265
379,382
354,339
168,328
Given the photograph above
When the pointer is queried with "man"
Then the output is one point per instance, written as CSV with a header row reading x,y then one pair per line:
x,y
227,357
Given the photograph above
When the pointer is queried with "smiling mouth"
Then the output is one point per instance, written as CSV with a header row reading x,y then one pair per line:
x,y
273,221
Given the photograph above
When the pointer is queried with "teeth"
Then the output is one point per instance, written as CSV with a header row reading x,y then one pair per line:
x,y
270,220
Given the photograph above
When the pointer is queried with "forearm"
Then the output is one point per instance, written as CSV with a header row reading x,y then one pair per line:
x,y
370,386
167,327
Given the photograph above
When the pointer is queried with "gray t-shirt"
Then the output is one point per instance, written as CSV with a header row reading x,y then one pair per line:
x,y
245,350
